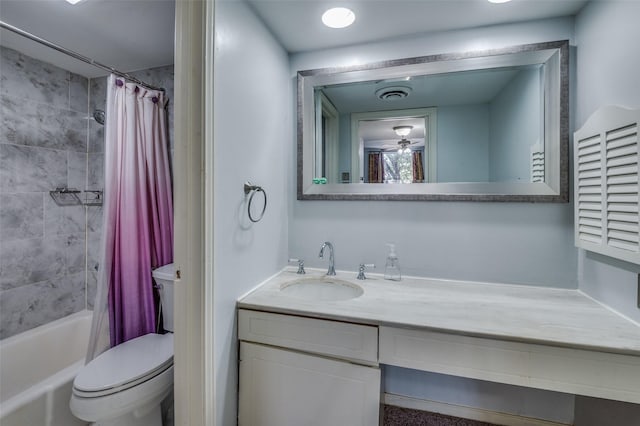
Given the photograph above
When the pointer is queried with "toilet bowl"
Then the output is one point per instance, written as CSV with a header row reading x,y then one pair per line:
x,y
125,385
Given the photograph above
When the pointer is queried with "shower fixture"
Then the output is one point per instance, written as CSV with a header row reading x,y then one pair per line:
x,y
98,115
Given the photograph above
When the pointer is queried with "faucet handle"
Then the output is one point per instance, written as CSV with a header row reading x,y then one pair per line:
x,y
361,275
301,270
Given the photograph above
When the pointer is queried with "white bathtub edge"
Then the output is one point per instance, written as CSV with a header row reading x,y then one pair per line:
x,y
45,327
31,394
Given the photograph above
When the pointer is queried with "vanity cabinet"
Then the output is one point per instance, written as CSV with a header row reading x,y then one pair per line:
x,y
304,371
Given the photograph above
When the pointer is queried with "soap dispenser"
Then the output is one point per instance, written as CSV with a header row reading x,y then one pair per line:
x,y
392,268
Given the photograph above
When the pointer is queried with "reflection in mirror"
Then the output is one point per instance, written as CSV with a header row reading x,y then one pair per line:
x,y
393,146
491,126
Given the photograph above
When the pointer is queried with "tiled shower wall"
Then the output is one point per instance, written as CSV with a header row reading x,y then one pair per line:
x,y
43,145
48,254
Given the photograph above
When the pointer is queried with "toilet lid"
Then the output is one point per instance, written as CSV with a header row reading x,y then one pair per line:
x,y
126,363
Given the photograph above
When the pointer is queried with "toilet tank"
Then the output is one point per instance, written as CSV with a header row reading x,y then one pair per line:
x,y
164,277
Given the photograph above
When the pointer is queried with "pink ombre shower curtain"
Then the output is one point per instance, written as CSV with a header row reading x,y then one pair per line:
x,y
138,212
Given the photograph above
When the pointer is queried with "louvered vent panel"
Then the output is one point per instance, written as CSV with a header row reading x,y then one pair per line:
x,y
622,188
607,202
589,192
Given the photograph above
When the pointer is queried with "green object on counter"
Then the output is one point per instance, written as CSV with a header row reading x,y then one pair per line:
x,y
320,180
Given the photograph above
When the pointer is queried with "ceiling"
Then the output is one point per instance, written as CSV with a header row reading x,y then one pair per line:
x,y
459,88
128,35
296,23
138,34
380,133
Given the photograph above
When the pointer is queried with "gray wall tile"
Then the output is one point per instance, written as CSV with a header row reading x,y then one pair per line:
x,y
75,253
76,170
95,174
93,263
92,287
97,93
32,260
59,220
28,169
78,93
96,137
93,250
97,100
94,220
27,78
29,306
21,216
43,145
26,122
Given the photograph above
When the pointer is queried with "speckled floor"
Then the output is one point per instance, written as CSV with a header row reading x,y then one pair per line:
x,y
396,416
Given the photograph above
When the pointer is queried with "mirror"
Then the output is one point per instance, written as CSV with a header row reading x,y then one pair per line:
x,y
478,126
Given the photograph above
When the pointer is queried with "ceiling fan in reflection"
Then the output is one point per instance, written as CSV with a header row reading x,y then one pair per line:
x,y
403,144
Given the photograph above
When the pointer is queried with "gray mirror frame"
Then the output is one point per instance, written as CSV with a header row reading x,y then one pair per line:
x,y
554,192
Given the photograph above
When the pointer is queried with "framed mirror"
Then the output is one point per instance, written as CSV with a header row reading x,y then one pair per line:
x,y
473,126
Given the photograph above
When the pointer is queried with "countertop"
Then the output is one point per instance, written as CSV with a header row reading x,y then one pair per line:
x,y
529,314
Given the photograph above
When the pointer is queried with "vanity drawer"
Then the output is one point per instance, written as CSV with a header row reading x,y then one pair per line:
x,y
337,339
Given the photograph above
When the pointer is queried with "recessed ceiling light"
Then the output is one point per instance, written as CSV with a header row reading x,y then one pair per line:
x,y
338,17
73,1
490,1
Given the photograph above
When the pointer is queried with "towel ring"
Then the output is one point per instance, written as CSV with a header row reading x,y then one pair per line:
x,y
253,189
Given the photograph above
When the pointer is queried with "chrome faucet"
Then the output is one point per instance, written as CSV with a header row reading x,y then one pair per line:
x,y
332,270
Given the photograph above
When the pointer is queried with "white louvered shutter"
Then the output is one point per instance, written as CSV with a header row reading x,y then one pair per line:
x,y
607,212
537,163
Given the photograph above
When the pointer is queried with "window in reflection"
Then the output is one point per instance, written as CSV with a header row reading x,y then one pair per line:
x,y
402,166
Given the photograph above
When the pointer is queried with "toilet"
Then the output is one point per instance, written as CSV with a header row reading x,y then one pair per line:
x,y
125,385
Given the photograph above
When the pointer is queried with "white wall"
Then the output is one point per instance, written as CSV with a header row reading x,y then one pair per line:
x,y
252,131
463,143
515,127
500,242
608,70
503,242
608,66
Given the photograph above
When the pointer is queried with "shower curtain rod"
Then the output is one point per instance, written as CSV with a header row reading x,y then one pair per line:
x,y
76,55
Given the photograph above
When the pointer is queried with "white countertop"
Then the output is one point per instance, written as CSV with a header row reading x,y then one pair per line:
x,y
529,314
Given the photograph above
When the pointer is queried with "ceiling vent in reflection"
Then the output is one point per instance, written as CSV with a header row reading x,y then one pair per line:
x,y
393,93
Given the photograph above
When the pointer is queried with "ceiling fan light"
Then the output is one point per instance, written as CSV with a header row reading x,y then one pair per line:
x,y
402,131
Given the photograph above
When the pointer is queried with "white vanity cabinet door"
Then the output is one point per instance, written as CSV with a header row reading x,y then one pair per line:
x,y
285,388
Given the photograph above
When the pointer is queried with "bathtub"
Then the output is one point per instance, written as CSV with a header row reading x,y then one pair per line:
x,y
37,369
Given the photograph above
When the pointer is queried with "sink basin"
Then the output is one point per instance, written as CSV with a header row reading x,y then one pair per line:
x,y
321,288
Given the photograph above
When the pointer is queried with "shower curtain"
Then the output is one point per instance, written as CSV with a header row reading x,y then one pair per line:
x,y
137,232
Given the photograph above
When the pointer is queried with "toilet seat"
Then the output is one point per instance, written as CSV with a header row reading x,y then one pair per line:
x,y
125,366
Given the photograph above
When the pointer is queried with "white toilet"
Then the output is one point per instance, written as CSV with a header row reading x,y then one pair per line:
x,y
125,385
